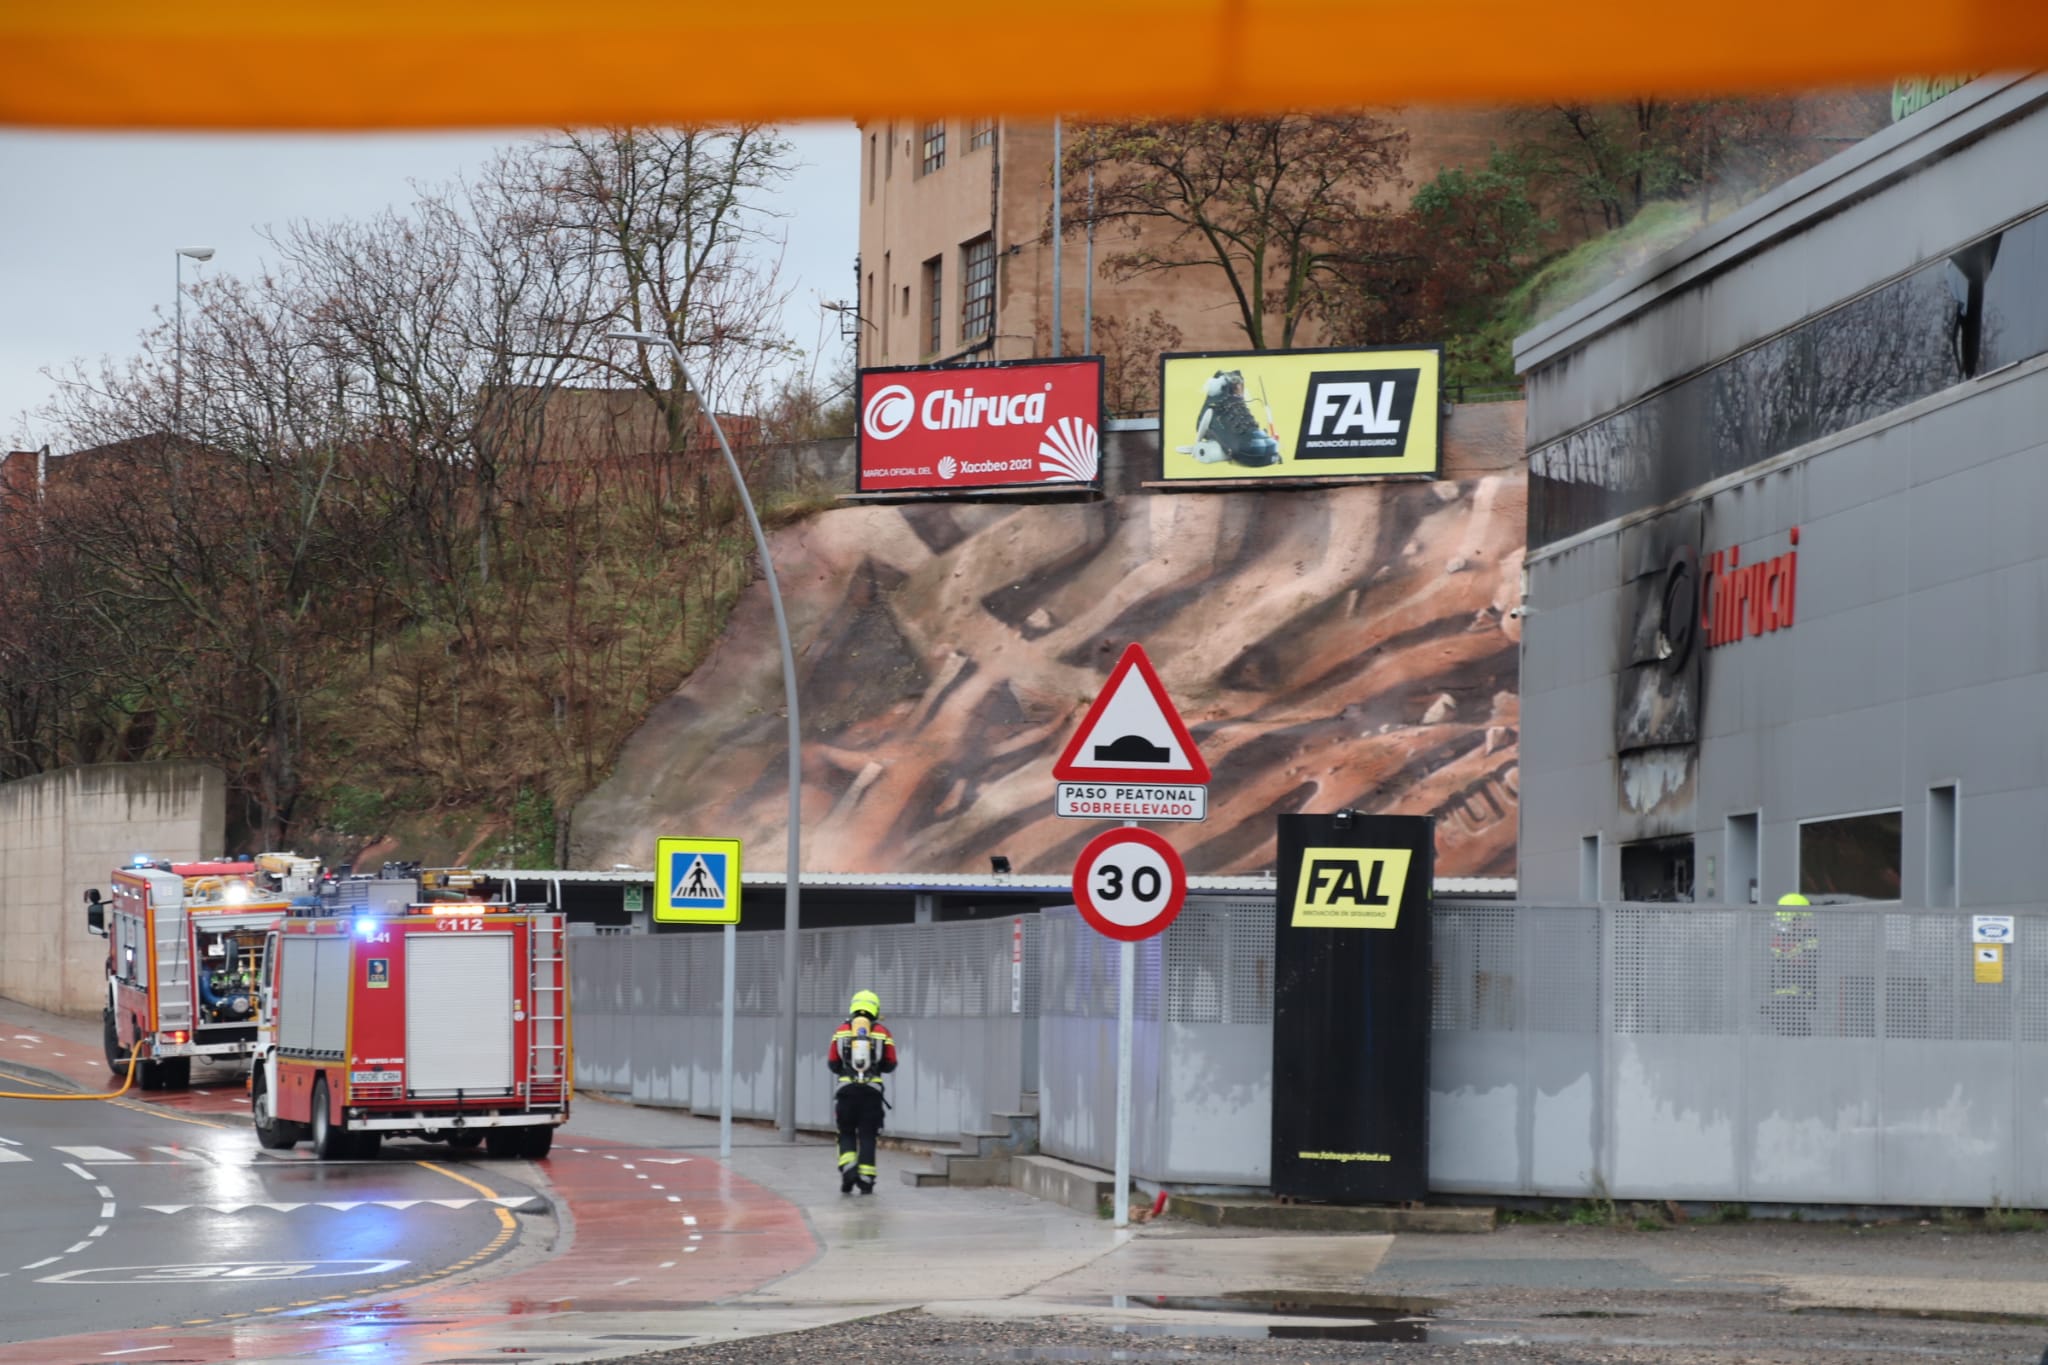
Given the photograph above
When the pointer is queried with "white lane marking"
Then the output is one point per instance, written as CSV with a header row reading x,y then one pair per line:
x,y
99,1231
136,1350
609,1157
202,1092
75,1249
56,1054
629,1165
667,1160
688,1250
696,1236
580,1151
630,1279
690,1219
675,1199
103,1192
665,1265
38,1265
24,1037
107,1209
79,1171
9,1154
183,1154
344,1205
95,1154
8,1142
657,1187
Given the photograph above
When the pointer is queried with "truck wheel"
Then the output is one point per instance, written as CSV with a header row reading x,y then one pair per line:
x,y
117,1056
465,1141
174,1073
330,1140
272,1133
536,1143
367,1145
502,1142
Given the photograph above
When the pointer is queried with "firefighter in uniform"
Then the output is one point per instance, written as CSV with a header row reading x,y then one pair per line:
x,y
1793,950
862,1052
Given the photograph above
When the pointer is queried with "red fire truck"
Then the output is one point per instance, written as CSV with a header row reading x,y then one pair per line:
x,y
448,1021
185,945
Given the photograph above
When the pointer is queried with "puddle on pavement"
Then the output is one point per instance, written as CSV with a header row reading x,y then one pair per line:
x,y
1361,1317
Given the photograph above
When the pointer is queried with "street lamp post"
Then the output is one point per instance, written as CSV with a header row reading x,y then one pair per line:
x,y
785,1105
197,253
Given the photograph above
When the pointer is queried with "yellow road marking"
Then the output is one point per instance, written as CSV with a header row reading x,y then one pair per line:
x,y
155,1111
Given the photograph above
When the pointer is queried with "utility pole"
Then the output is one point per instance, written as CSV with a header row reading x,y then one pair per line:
x,y
1059,219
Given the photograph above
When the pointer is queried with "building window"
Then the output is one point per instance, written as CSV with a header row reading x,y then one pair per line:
x,y
1852,858
981,133
1657,870
867,313
935,310
977,289
934,145
874,156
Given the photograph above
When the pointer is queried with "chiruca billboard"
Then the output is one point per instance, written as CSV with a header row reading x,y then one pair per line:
x,y
966,428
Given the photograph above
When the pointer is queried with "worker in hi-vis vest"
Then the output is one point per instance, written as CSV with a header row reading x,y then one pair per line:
x,y
1794,961
862,1052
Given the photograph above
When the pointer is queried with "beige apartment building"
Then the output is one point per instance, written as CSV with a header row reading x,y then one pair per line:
x,y
956,257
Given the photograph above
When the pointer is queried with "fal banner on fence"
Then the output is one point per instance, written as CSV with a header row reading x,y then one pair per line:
x,y
951,429
1300,414
1351,998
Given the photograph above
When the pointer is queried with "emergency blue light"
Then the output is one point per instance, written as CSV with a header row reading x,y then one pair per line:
x,y
142,860
366,928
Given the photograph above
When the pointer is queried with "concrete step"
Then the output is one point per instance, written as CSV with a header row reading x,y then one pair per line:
x,y
1080,1188
924,1179
963,1170
1240,1211
1028,1103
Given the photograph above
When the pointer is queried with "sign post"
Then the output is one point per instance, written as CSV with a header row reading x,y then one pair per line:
x,y
1129,884
698,882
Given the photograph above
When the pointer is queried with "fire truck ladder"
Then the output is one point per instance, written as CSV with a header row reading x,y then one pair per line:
x,y
174,980
547,1019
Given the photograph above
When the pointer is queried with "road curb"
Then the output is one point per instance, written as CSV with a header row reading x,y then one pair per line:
x,y
1270,1215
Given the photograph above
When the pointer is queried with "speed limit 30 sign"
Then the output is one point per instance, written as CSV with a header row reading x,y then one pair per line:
x,y
1129,883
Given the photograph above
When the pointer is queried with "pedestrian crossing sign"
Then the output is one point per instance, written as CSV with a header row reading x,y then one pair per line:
x,y
697,881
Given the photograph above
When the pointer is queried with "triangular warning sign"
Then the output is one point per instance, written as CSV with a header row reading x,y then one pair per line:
x,y
1132,733
698,883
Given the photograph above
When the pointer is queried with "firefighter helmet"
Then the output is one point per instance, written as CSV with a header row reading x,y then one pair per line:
x,y
866,1002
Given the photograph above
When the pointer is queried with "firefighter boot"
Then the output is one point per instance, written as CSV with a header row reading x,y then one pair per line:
x,y
847,1174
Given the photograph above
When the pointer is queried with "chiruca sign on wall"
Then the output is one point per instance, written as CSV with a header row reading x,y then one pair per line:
x,y
1739,600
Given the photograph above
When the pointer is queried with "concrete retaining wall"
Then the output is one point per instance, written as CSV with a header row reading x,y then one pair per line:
x,y
64,831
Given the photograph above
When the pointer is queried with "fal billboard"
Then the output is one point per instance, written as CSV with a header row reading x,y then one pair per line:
x,y
1300,414
955,429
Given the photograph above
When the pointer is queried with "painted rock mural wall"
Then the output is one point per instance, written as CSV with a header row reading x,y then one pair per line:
x,y
1328,648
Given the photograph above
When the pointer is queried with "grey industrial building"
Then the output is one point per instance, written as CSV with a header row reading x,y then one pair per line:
x,y
1788,542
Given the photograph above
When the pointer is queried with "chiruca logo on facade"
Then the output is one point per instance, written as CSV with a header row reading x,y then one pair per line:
x,y
1738,600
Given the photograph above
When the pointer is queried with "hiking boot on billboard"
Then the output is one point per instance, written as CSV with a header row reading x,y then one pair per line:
x,y
1225,428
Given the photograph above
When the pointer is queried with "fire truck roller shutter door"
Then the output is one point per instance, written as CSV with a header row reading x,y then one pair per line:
x,y
458,1013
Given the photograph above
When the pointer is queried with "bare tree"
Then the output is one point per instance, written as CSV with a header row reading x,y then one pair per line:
x,y
1267,202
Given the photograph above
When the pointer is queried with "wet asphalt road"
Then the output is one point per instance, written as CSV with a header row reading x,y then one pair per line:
x,y
125,1216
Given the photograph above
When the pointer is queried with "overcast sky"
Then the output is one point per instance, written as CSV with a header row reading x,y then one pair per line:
x,y
93,220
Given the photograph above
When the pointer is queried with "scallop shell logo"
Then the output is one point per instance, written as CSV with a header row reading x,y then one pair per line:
x,y
948,467
1069,450
889,412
